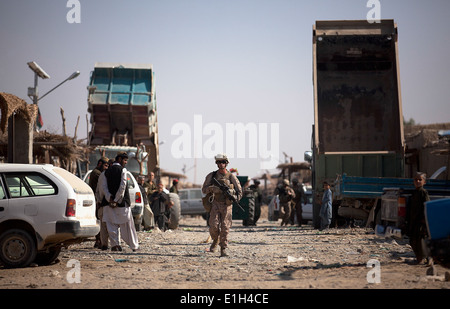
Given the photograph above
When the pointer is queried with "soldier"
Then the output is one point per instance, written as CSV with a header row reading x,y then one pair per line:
x,y
297,201
285,194
220,219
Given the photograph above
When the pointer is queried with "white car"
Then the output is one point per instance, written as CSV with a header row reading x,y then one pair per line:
x,y
42,209
136,199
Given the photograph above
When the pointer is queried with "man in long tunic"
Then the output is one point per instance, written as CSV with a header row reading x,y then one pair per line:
x,y
148,220
102,164
220,219
116,200
160,206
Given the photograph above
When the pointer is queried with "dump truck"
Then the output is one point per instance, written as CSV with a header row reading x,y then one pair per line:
x,y
358,121
122,105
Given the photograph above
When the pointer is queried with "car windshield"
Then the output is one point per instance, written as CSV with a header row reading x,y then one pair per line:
x,y
196,194
183,195
78,185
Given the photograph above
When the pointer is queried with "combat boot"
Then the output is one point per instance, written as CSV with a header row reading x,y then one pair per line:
x,y
213,245
223,252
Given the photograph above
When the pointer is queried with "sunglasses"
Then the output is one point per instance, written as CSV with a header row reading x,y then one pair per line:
x,y
223,162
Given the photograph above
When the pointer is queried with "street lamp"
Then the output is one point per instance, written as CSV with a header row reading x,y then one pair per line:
x,y
74,75
39,72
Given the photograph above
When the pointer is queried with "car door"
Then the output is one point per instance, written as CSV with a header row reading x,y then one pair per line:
x,y
34,198
196,201
21,197
3,200
184,203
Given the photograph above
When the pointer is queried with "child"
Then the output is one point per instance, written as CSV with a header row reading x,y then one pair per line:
x,y
415,218
326,208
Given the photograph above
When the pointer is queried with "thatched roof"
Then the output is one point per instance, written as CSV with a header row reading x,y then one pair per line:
x,y
10,104
58,145
55,144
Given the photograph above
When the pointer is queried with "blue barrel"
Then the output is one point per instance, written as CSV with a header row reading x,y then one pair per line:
x,y
437,214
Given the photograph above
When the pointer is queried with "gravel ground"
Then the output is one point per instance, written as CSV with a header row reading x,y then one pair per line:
x,y
266,256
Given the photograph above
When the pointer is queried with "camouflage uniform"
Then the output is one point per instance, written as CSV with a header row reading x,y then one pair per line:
x,y
220,219
285,194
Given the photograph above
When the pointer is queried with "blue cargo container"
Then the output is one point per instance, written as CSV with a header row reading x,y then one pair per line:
x,y
122,104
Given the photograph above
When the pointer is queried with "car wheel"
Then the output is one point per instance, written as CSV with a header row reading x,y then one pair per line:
x,y
46,258
17,248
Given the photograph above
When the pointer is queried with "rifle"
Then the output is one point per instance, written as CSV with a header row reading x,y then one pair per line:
x,y
227,193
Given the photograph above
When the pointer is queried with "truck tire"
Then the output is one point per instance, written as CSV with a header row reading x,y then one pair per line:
x,y
175,211
17,248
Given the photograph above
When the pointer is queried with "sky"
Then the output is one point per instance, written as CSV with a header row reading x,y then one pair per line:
x,y
222,62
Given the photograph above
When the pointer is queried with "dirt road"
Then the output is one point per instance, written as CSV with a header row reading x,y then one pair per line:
x,y
263,257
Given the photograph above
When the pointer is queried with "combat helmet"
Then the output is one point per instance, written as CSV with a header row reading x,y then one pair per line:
x,y
221,157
